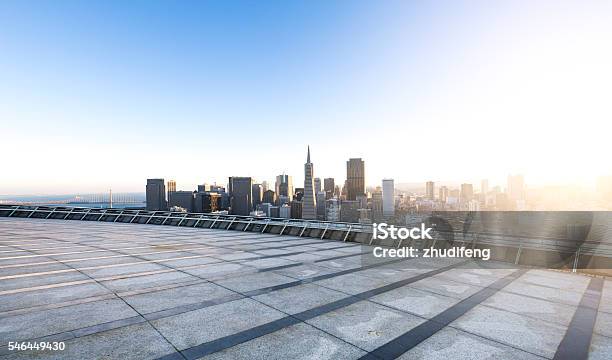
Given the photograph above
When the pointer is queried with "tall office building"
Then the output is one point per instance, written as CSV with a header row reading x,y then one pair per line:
x,y
257,194
296,209
467,193
241,195
349,211
156,195
171,187
429,190
388,192
329,187
332,210
376,204
309,202
317,185
181,199
443,194
269,197
321,205
207,202
355,178
264,185
284,186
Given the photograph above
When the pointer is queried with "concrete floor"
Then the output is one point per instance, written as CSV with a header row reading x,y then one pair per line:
x,y
126,291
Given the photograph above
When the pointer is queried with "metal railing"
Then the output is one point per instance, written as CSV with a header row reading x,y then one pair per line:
x,y
516,246
281,226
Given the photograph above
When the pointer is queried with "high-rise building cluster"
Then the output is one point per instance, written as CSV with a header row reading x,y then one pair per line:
x,y
323,199
318,199
465,198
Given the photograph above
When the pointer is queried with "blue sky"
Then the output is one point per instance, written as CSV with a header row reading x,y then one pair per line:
x,y
105,94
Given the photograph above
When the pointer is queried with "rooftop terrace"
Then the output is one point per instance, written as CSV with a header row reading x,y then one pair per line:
x,y
116,290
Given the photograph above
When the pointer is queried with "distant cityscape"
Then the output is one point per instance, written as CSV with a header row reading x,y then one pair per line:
x,y
325,199
330,200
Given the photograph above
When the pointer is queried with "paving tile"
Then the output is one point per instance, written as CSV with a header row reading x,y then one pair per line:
x,y
446,287
254,281
519,331
449,343
557,280
305,271
365,324
299,298
50,296
200,326
20,327
148,281
353,283
603,324
601,348
299,341
541,309
169,298
544,292
415,301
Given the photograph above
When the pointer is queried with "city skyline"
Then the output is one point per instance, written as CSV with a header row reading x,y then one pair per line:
x,y
238,88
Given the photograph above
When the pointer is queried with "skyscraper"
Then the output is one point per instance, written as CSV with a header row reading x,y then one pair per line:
x,y
264,185
257,194
317,185
309,203
320,196
388,190
284,186
355,178
467,193
329,187
443,194
269,197
429,190
241,195
376,205
181,199
156,195
171,187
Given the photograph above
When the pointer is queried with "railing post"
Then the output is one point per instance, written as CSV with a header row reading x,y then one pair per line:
x,y
51,212
265,226
576,257
324,231
118,215
84,215
135,216
304,229
347,233
230,224
518,253
197,222
15,209
214,222
166,219
247,225
183,219
69,212
283,230
32,213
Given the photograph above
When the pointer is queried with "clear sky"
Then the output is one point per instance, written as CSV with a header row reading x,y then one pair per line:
x,y
105,94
